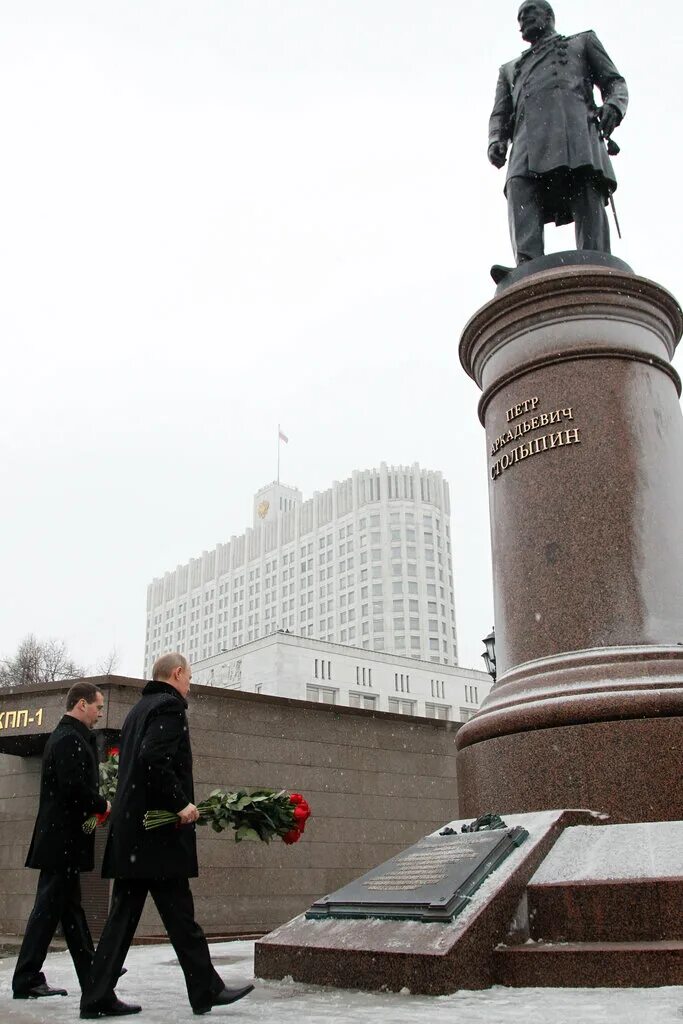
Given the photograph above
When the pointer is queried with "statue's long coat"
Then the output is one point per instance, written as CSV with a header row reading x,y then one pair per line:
x,y
545,106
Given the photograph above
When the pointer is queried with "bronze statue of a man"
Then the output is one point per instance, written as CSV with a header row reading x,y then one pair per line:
x,y
559,169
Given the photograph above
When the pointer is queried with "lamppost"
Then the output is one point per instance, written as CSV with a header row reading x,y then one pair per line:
x,y
489,654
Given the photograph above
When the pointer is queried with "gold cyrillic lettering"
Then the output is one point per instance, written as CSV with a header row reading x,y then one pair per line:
x,y
556,439
555,416
574,438
567,413
10,715
22,719
39,716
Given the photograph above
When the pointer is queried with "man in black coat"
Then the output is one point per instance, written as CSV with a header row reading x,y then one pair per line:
x,y
69,793
155,773
559,169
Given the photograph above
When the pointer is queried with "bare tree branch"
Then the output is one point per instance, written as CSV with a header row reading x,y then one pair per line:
x,y
37,662
108,665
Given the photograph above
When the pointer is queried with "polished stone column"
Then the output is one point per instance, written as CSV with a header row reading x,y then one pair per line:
x,y
584,439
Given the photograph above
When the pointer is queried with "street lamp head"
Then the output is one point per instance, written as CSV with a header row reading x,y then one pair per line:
x,y
489,654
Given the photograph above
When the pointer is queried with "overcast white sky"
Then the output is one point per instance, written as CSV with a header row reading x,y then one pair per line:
x,y
220,214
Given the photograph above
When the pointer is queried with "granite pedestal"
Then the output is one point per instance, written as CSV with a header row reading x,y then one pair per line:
x,y
585,456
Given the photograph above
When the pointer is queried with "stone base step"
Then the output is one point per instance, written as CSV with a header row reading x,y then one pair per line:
x,y
589,964
606,911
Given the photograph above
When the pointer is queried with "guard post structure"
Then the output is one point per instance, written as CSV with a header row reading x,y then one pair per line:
x,y
584,439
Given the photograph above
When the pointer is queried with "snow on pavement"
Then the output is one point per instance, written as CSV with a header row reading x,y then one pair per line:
x,y
155,980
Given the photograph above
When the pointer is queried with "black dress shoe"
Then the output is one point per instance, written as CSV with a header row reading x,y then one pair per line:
x,y
109,1008
40,992
228,995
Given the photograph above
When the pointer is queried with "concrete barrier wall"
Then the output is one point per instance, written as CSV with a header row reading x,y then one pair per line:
x,y
376,783
19,787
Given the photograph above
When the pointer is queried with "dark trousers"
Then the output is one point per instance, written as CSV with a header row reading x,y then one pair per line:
x,y
525,215
173,899
58,899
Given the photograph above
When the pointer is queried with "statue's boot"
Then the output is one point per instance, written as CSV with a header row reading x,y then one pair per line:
x,y
499,272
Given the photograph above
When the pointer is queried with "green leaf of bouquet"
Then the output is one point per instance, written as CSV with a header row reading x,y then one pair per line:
x,y
244,832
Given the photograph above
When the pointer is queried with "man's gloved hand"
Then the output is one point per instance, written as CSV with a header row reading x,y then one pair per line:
x,y
498,153
609,118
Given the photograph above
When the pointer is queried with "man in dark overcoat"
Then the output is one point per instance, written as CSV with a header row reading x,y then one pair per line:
x,y
60,849
155,773
559,169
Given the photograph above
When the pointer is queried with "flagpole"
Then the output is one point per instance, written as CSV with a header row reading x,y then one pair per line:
x,y
278,454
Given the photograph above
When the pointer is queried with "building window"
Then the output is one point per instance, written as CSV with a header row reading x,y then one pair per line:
x,y
401,682
466,714
362,700
439,688
401,707
437,711
321,694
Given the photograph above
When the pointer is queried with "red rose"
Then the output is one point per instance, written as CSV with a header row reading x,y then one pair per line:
x,y
296,798
101,818
300,815
292,836
113,752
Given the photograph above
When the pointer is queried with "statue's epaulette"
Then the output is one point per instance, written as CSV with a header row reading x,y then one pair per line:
x,y
558,44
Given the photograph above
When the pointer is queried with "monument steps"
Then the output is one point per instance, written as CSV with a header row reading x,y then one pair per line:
x,y
638,910
605,906
589,964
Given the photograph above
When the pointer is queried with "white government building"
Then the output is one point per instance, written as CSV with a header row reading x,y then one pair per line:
x,y
287,665
365,564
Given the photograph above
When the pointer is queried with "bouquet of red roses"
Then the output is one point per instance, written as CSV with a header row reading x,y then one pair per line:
x,y
261,814
109,779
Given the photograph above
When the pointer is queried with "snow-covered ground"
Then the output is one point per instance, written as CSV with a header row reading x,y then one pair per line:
x,y
155,980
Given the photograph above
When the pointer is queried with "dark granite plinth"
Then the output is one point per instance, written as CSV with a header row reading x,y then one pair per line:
x,y
603,909
590,965
619,883
429,958
584,439
630,769
585,445
607,911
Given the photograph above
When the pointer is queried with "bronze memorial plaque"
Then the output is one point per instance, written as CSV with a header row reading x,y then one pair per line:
x,y
430,881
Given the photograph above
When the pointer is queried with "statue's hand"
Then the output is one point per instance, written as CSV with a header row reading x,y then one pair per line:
x,y
498,153
609,119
